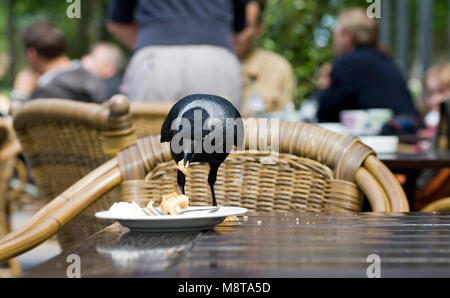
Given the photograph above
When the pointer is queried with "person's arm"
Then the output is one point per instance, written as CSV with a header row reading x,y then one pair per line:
x,y
435,100
239,15
125,33
338,95
121,22
24,84
324,80
247,27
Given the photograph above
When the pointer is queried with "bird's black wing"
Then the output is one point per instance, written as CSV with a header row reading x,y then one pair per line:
x,y
166,132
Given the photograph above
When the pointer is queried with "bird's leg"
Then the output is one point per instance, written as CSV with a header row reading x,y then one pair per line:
x,y
181,179
211,180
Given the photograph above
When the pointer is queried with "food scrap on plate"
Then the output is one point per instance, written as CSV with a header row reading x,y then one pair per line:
x,y
172,204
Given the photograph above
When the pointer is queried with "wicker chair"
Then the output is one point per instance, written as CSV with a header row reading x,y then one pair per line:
x,y
315,170
439,186
9,149
442,205
64,140
148,117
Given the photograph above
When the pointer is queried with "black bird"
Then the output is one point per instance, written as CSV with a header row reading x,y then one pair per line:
x,y
202,128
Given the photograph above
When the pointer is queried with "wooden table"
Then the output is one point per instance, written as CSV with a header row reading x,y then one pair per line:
x,y
420,161
270,245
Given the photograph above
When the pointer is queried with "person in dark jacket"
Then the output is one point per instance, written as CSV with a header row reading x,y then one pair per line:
x,y
105,61
51,73
363,77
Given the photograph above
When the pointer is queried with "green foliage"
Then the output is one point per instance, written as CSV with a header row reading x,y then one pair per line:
x,y
80,33
301,31
441,28
93,14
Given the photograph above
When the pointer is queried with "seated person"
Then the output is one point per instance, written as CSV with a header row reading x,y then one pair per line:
x,y
440,100
105,61
435,184
437,89
268,78
51,74
362,77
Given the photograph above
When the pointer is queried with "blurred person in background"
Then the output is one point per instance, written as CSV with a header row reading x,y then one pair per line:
x,y
51,73
105,60
180,47
437,90
324,80
435,184
437,85
363,77
441,97
268,78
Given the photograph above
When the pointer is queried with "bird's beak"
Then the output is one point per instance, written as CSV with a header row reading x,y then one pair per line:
x,y
183,165
187,159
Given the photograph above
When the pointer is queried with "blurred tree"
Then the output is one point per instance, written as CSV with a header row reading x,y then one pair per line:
x,y
301,31
10,29
15,15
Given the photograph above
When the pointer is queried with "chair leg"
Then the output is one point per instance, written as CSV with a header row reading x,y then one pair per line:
x,y
14,266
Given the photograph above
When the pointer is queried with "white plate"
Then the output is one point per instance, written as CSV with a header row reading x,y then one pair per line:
x,y
200,220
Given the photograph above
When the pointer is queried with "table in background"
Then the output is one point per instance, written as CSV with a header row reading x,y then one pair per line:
x,y
270,245
419,161
411,165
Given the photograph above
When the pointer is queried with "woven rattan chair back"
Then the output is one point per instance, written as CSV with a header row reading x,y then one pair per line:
x,y
64,140
442,205
313,170
244,179
148,117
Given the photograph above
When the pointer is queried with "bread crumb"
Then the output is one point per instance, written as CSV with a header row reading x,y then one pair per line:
x,y
233,218
172,204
